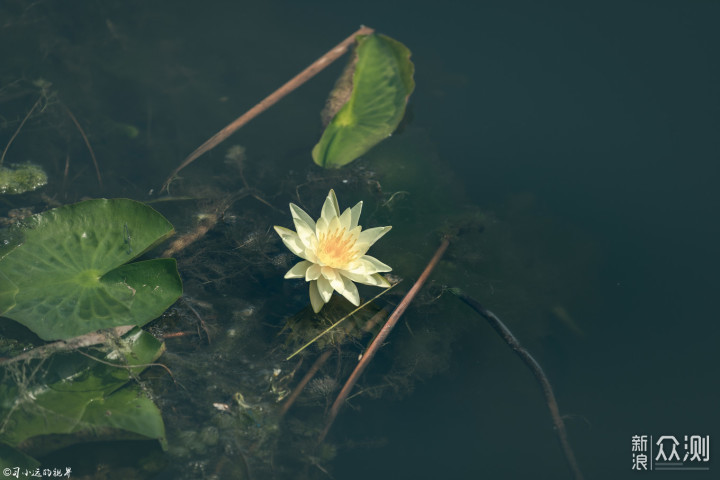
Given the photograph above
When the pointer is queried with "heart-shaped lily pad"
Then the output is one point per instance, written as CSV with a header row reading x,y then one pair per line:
x,y
65,277
381,85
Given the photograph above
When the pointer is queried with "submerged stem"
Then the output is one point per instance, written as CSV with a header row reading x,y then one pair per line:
x,y
535,368
380,338
2,157
87,143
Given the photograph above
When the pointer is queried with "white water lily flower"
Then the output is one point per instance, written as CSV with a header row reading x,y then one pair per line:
x,y
333,250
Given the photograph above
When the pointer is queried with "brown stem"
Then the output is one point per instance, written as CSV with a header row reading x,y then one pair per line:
x,y
269,101
207,223
535,368
2,157
380,338
87,340
319,362
87,143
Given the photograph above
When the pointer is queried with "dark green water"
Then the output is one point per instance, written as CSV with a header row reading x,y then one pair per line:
x,y
591,133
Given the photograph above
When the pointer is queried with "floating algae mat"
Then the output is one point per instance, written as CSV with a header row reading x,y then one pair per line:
x,y
21,178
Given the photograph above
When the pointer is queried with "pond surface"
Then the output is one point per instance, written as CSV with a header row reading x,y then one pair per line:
x,y
574,147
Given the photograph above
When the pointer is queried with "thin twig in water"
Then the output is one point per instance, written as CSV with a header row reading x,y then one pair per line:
x,y
380,338
87,340
128,367
269,101
201,323
66,171
87,142
536,369
342,320
208,222
2,157
319,362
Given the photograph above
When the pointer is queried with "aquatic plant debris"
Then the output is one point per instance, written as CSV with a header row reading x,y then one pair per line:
x,y
333,252
21,178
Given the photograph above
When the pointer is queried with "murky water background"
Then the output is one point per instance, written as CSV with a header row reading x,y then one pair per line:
x,y
584,137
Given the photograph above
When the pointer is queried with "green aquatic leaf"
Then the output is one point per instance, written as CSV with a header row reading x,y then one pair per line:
x,y
13,458
128,409
81,396
7,293
382,83
69,273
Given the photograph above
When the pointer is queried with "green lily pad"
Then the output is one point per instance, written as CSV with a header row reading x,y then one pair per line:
x,y
7,293
382,83
7,288
67,267
83,397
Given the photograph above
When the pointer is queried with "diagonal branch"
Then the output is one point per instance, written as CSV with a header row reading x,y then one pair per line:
x,y
302,77
380,338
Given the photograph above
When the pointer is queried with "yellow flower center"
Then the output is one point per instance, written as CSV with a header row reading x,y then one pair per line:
x,y
335,248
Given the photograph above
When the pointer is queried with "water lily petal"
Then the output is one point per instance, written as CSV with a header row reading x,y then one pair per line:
x,y
333,277
321,227
373,265
324,288
365,279
300,214
355,214
315,299
334,224
381,281
345,219
372,235
310,255
330,208
349,291
354,235
291,240
313,272
299,270
367,265
304,225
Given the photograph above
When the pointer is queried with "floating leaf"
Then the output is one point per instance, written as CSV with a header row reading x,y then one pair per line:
x,y
69,273
382,83
7,293
81,396
13,458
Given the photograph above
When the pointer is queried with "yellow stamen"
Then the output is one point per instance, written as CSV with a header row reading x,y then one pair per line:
x,y
336,248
